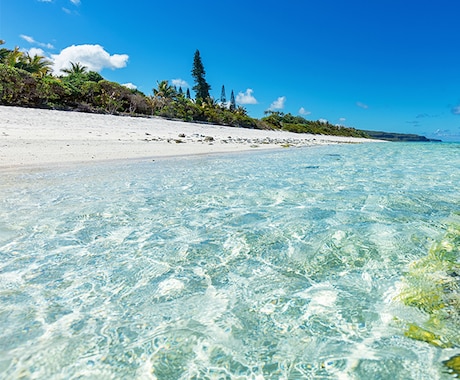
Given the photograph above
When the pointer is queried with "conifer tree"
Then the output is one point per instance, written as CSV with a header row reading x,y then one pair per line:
x,y
223,97
232,102
188,94
201,86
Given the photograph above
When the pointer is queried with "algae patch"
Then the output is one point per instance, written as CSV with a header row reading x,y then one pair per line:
x,y
432,285
453,365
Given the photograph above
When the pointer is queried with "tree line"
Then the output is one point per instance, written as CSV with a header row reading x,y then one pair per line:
x,y
27,81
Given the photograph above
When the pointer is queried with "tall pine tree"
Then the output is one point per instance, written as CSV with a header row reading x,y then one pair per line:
x,y
223,97
201,86
232,102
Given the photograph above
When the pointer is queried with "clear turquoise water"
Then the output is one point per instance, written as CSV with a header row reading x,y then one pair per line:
x,y
271,265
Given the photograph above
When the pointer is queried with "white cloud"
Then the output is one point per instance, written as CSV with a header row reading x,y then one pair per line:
x,y
246,97
303,111
36,51
32,41
278,104
324,121
362,105
130,86
75,2
342,119
180,83
45,1
94,57
68,11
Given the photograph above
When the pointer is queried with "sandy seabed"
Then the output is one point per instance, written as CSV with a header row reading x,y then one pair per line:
x,y
41,138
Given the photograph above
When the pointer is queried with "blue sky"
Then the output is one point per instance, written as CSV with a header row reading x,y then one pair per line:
x,y
390,65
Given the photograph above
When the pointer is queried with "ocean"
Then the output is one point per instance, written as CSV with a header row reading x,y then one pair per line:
x,y
297,263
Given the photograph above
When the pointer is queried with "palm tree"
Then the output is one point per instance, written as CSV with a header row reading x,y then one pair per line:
x,y
210,103
164,90
76,69
14,57
37,65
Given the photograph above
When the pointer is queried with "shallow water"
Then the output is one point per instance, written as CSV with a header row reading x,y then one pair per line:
x,y
283,264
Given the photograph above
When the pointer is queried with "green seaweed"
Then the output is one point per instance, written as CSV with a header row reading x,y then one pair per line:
x,y
453,365
432,285
416,332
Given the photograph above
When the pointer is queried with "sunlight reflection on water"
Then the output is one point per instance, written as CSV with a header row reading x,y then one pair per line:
x,y
271,265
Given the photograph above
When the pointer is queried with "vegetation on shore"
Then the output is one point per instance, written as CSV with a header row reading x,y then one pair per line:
x,y
27,81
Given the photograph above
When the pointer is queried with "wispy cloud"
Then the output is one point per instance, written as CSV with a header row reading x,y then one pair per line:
x,y
278,104
94,57
246,97
29,39
342,119
424,116
32,41
456,110
75,2
362,105
180,83
303,111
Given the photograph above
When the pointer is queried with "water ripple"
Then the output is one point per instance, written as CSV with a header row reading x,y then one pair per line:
x,y
270,265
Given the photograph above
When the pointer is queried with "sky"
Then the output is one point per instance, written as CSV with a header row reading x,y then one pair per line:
x,y
391,65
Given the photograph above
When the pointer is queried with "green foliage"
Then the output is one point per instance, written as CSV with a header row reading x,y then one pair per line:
x,y
37,65
232,101
201,86
297,124
26,81
165,90
75,69
18,87
94,76
52,91
223,97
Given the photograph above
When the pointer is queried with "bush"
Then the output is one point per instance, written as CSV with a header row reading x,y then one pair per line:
x,y
17,87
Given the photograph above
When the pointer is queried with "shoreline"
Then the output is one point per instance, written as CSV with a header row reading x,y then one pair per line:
x,y
33,138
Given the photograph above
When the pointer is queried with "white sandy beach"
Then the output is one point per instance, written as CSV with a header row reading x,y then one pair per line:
x,y
38,138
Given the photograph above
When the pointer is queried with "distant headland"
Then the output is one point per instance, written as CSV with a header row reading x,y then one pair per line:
x,y
398,137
